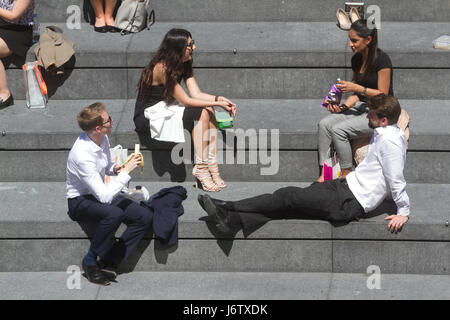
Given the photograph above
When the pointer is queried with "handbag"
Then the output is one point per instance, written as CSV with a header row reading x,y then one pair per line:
x,y
35,87
133,16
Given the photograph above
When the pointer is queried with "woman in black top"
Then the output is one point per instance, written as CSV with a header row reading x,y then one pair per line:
x,y
372,75
160,81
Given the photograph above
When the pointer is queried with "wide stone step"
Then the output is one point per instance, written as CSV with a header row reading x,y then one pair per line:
x,y
37,235
267,60
225,285
40,166
261,10
271,140
55,127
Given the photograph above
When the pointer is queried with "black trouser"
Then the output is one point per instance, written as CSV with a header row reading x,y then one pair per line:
x,y
330,200
138,219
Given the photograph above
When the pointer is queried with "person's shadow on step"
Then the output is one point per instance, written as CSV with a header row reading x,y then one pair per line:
x,y
225,241
162,158
161,251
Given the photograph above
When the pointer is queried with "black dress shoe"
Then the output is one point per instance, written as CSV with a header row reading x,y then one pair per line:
x,y
7,102
94,275
102,29
216,210
110,272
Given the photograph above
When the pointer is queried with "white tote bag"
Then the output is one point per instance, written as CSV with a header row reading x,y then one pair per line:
x,y
119,155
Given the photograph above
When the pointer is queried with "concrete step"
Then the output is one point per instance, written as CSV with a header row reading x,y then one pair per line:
x,y
267,62
46,136
37,235
225,286
262,10
55,127
41,166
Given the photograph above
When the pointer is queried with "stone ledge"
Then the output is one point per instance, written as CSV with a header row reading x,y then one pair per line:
x,y
262,10
258,45
55,127
35,218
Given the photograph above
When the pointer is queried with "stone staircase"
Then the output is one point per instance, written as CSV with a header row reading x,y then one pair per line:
x,y
276,60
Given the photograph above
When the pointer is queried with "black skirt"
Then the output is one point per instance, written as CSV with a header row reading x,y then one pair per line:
x,y
18,38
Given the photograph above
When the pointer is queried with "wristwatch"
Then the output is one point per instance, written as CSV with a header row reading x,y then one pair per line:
x,y
364,91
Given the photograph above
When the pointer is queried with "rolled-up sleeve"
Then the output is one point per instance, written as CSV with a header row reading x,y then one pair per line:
x,y
392,159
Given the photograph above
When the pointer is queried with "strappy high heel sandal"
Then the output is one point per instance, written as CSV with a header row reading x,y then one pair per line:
x,y
214,170
202,175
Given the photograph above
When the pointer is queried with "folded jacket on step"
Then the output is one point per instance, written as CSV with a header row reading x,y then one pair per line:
x,y
166,206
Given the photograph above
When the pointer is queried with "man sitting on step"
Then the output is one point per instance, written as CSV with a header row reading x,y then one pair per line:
x,y
91,200
379,175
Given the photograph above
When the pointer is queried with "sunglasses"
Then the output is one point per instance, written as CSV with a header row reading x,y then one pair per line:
x,y
191,44
108,121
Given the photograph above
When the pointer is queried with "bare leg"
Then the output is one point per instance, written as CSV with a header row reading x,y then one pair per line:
x,y
200,137
99,13
4,52
109,9
320,179
198,133
212,150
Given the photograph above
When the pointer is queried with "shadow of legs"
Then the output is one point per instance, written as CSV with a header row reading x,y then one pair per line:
x,y
162,158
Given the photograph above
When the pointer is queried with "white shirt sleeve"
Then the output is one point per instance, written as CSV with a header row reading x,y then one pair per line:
x,y
90,176
393,161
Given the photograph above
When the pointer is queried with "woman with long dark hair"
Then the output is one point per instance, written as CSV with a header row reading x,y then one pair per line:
x,y
372,75
160,81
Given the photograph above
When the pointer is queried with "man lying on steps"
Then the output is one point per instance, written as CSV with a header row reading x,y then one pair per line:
x,y
91,200
341,200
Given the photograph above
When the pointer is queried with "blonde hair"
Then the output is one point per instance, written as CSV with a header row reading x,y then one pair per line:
x,y
90,117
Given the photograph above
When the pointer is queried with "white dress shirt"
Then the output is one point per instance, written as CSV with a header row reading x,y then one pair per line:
x,y
381,172
86,168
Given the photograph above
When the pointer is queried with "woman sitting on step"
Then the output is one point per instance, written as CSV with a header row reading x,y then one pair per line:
x,y
16,36
160,81
372,75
